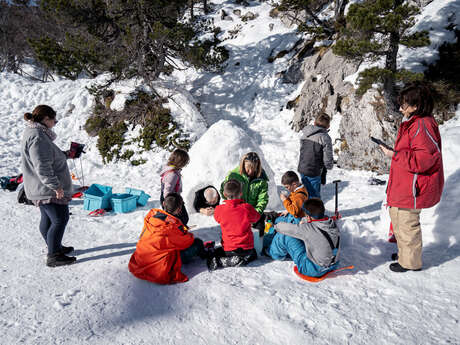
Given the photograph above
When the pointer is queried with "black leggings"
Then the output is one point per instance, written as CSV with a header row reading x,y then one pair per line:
x,y
52,225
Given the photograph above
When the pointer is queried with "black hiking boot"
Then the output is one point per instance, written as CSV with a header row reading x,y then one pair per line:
x,y
59,259
66,250
394,256
396,267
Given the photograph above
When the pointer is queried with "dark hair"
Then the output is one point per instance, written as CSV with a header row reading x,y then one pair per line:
x,y
314,207
289,177
254,160
232,189
172,202
40,113
179,158
417,95
323,120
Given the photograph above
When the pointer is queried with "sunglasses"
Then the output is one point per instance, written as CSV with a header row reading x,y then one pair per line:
x,y
252,157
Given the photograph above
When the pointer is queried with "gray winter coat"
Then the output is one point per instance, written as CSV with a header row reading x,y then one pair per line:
x,y
316,244
44,166
315,151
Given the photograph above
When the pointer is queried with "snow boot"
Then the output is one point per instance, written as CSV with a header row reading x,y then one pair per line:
x,y
67,250
59,259
396,267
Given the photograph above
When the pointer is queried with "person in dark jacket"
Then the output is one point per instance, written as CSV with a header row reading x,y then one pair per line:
x,y
416,174
315,154
47,181
206,200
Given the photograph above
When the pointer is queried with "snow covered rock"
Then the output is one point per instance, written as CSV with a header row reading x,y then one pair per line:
x,y
213,156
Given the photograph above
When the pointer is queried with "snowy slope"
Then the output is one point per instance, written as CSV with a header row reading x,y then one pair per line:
x,y
97,301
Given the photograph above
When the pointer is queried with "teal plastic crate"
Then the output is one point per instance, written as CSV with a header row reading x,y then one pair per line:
x,y
97,196
122,203
142,197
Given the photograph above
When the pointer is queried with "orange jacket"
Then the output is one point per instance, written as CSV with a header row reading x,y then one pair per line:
x,y
294,202
157,256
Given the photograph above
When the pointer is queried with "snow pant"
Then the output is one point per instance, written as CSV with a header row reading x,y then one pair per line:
x,y
268,238
53,221
408,233
283,245
195,250
238,257
313,185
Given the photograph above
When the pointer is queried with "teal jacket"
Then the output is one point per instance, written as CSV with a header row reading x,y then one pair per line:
x,y
255,192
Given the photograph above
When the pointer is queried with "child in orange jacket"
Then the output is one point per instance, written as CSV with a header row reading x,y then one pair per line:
x,y
293,204
164,244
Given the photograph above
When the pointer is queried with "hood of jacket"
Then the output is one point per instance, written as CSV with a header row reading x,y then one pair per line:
x,y
310,130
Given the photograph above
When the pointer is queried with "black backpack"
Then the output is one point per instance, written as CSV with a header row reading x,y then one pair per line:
x,y
22,198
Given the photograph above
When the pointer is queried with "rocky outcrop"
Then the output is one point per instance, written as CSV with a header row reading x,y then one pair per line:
x,y
325,90
324,87
361,118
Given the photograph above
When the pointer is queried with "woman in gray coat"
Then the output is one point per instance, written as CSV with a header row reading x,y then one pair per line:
x,y
47,181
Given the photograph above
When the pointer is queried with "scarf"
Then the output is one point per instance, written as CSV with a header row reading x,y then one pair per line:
x,y
48,131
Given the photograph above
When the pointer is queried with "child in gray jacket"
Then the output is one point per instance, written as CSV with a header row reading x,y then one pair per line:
x,y
315,154
313,244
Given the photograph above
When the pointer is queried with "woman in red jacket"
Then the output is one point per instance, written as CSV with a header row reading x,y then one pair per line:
x,y
416,174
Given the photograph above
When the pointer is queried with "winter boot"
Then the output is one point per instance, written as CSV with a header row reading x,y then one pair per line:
x,y
396,267
59,259
394,256
67,250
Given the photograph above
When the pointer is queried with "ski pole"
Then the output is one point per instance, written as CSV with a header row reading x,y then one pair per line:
x,y
336,182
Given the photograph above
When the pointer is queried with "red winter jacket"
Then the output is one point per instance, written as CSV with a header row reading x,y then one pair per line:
x,y
235,217
416,172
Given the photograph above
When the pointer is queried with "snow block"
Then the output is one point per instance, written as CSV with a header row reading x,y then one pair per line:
x,y
142,197
123,203
97,196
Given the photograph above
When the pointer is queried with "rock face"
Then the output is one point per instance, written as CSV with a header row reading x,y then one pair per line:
x,y
324,87
325,90
362,118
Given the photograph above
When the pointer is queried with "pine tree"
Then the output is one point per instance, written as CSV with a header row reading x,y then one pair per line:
x,y
125,37
375,29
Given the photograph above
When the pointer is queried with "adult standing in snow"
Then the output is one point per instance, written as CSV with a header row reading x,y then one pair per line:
x,y
254,182
416,174
47,181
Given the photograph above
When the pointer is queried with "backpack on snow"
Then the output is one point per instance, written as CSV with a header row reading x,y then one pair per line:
x,y
10,183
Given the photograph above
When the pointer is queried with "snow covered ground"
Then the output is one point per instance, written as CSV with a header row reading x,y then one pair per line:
x,y
97,300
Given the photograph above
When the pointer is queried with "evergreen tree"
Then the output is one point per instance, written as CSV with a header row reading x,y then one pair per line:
x,y
125,37
298,8
375,29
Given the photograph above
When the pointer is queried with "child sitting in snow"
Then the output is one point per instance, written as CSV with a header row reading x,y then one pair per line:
x,y
313,244
235,217
293,204
164,244
171,178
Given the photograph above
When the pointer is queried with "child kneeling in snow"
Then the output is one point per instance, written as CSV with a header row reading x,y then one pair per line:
x,y
235,218
313,244
293,204
164,244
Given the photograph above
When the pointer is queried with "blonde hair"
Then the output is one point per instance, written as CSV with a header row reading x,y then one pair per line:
x,y
254,161
178,159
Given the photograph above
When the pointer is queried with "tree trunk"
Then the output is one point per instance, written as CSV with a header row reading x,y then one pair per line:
x,y
205,6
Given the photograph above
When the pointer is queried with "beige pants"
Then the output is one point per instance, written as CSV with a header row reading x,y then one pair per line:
x,y
408,233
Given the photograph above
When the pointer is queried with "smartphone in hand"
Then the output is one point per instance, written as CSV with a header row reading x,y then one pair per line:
x,y
380,142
